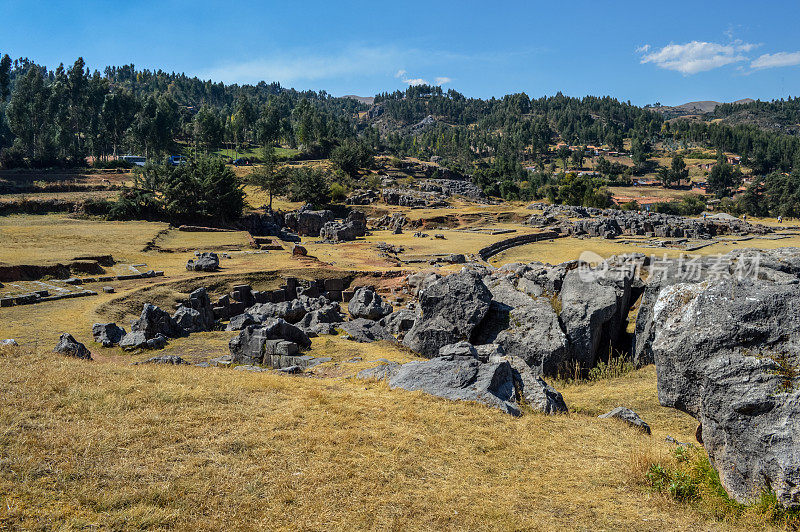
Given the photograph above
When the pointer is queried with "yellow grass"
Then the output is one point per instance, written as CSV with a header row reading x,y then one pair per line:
x,y
565,249
106,444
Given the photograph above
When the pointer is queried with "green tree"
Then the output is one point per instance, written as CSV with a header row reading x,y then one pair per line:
x,y
308,185
577,157
117,114
269,177
351,156
723,178
208,128
28,116
678,169
563,153
5,77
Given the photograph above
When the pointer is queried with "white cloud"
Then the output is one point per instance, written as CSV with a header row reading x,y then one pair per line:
x,y
416,81
779,59
400,73
441,80
697,56
642,49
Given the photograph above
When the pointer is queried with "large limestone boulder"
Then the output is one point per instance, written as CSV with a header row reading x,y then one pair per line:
x,y
308,222
353,227
539,395
154,321
462,379
524,326
727,353
368,304
272,338
69,346
188,319
593,309
204,262
399,322
107,334
451,309
322,321
365,331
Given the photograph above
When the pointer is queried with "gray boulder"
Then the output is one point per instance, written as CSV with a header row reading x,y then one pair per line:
x,y
188,319
133,340
255,341
523,326
365,331
366,303
593,309
204,262
9,342
451,309
381,372
628,416
461,379
322,321
107,334
174,360
154,321
307,222
200,301
399,322
68,346
291,311
241,321
460,349
539,395
727,353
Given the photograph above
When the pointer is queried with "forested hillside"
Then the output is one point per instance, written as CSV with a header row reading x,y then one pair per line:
x,y
71,116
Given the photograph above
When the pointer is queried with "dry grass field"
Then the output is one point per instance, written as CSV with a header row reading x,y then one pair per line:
x,y
110,445
107,445
564,249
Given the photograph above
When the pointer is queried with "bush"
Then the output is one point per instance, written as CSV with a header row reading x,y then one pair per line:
x,y
351,156
309,186
112,164
201,188
693,480
338,192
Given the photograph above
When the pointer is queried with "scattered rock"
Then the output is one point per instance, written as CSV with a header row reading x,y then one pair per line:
x,y
154,321
204,262
164,359
366,303
628,416
462,379
68,346
365,331
9,342
299,251
107,334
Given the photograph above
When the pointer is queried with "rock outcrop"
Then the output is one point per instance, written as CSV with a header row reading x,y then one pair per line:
x,y
462,379
353,227
367,303
364,330
451,309
727,353
204,262
308,222
107,334
154,321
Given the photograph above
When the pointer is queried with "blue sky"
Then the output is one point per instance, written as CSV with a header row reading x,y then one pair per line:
x,y
672,52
